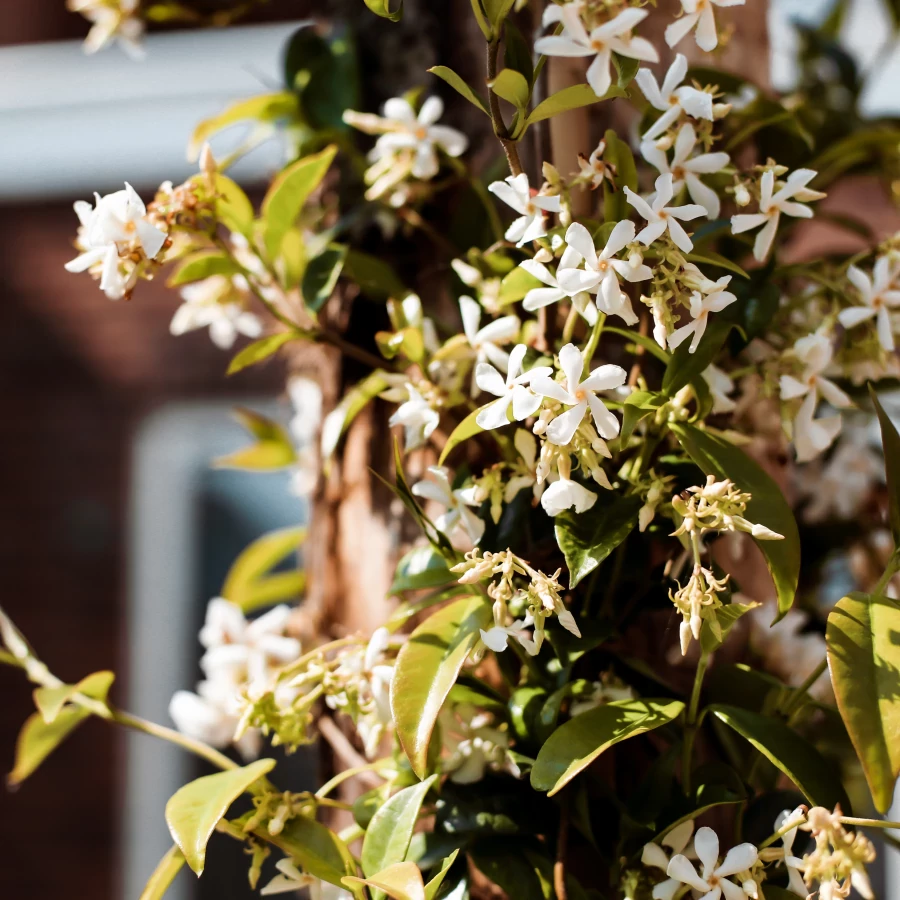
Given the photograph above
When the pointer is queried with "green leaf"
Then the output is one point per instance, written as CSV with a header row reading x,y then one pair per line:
x,y
389,833
273,448
163,875
383,8
891,442
726,616
37,740
864,658
641,340
322,275
716,456
427,667
685,367
626,69
434,885
573,97
460,86
711,258
261,350
249,577
588,538
421,567
194,810
203,264
637,406
376,279
401,881
515,285
354,401
788,751
288,194
575,745
233,208
466,429
503,861
618,154
512,87
319,850
497,11
50,701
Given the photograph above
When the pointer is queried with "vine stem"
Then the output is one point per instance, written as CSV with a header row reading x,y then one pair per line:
x,y
690,728
562,841
509,146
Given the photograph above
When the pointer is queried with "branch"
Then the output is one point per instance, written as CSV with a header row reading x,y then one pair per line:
x,y
509,146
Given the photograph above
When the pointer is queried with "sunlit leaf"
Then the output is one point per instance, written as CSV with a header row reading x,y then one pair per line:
x,y
573,97
273,448
261,350
249,577
383,8
459,85
401,881
434,885
317,849
512,87
50,701
203,264
466,429
420,568
37,740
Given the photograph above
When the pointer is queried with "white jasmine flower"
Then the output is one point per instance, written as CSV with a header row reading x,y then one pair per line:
x,y
516,192
601,272
488,289
608,690
701,306
879,296
567,494
612,37
111,20
290,880
673,98
720,385
512,390
812,436
497,637
773,203
211,716
116,228
458,522
699,14
417,418
593,169
306,401
484,341
537,298
714,880
686,170
416,318
793,864
475,745
525,471
661,217
404,131
653,855
580,394
215,304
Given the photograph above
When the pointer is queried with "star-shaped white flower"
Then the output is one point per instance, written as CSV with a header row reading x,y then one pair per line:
x,y
773,203
580,394
714,880
512,390
214,303
567,494
699,14
613,36
483,341
793,864
662,217
417,418
497,637
601,272
537,298
290,880
673,98
402,129
879,294
720,385
112,21
593,169
686,170
516,193
653,855
701,306
526,469
812,436
458,522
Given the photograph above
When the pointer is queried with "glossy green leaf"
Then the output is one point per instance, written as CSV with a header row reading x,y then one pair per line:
x,y
163,875
497,11
573,97
261,350
203,264
321,276
891,442
401,881
317,849
460,86
618,154
376,279
512,87
354,401
577,743
249,576
50,701
716,456
233,208
864,658
37,740
288,194
638,405
383,8
641,340
788,751
626,69
711,258
273,448
427,667
194,810
435,883
421,567
389,833
502,860
685,367
515,285
466,429
587,538
726,617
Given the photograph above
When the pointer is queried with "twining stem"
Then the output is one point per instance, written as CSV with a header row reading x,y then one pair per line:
x,y
509,145
591,347
562,841
690,727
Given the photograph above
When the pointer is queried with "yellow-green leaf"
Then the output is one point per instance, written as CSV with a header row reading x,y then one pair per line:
x,y
512,87
460,86
402,881
261,350
434,885
193,811
288,194
466,429
864,658
618,154
383,8
163,875
317,849
570,98
354,401
427,668
321,276
37,740
577,743
202,265
891,443
233,208
248,576
51,700
273,448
